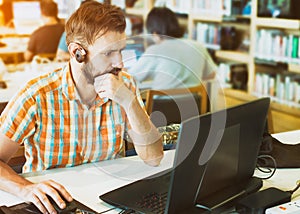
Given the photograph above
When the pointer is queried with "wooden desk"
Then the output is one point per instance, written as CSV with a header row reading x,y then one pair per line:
x,y
15,48
86,182
15,80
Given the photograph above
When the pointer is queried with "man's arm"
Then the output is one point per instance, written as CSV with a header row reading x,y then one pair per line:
x,y
15,184
146,138
28,55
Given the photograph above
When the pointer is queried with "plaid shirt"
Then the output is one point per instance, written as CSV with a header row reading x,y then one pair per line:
x,y
57,129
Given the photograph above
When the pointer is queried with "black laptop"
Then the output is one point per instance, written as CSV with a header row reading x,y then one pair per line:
x,y
213,166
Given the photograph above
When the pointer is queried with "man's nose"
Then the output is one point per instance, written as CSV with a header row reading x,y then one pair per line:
x,y
118,61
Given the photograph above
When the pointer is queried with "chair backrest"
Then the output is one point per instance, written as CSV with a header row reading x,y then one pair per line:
x,y
2,106
18,159
49,56
176,105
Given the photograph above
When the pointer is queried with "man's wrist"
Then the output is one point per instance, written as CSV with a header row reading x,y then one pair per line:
x,y
130,104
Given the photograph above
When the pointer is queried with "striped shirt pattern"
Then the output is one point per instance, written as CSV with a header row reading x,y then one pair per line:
x,y
58,130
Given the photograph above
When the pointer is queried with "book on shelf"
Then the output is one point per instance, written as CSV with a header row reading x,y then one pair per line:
x,y
209,35
295,45
208,6
178,6
281,87
218,7
233,75
275,45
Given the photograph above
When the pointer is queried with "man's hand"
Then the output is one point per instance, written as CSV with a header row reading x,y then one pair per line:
x,y
111,86
146,139
37,194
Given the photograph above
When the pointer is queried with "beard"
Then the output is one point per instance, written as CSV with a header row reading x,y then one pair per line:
x,y
88,69
87,73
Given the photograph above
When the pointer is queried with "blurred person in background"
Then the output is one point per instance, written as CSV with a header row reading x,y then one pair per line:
x,y
172,62
45,39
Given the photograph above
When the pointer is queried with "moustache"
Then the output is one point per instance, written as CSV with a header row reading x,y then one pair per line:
x,y
115,71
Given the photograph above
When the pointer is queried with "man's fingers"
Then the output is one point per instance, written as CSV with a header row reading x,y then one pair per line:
x,y
42,202
50,189
37,202
61,189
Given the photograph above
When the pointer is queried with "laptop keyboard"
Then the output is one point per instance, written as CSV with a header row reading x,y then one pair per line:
x,y
154,202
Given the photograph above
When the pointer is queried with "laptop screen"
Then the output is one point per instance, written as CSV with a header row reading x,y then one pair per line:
x,y
218,157
27,16
26,10
227,155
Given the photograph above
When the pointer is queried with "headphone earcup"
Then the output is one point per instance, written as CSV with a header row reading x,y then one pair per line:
x,y
78,56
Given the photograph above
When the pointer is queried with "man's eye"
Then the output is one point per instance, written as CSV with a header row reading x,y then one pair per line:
x,y
107,53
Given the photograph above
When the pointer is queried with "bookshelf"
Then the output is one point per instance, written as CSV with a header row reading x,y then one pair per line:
x,y
283,117
236,56
294,68
277,23
284,109
140,8
247,28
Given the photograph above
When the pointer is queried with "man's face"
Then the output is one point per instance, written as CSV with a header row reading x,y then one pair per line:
x,y
104,56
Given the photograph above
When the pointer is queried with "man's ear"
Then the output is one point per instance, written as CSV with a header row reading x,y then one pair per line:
x,y
72,47
77,51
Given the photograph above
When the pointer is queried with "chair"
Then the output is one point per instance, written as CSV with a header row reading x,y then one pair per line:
x,y
50,56
18,159
2,106
171,106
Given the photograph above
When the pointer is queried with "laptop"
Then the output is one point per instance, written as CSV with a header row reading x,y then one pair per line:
x,y
26,16
214,162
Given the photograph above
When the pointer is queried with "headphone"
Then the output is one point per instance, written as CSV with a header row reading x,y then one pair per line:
x,y
80,54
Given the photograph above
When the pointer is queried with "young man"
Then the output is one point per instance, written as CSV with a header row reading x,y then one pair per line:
x,y
45,39
77,114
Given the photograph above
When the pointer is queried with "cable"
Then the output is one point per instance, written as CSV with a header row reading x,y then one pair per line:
x,y
267,169
128,211
239,211
108,210
296,188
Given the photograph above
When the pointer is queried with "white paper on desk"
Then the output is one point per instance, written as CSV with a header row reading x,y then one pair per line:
x,y
9,199
291,137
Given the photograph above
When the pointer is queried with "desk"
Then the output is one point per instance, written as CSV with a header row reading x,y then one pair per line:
x,y
87,182
285,179
15,80
15,48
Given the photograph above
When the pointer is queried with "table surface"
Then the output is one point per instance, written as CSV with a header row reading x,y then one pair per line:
x,y
14,45
86,182
15,80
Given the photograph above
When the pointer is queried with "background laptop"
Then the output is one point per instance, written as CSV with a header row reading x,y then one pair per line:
x,y
214,163
26,16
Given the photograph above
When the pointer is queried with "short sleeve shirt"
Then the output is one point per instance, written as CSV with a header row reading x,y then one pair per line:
x,y
45,39
58,130
173,63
